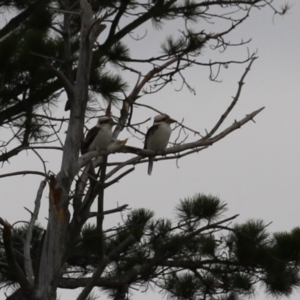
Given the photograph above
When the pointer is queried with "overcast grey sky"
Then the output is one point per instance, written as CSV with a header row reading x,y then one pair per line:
x,y
255,169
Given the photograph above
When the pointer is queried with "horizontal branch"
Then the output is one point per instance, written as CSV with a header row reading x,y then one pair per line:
x,y
7,155
172,150
24,173
200,143
110,211
74,283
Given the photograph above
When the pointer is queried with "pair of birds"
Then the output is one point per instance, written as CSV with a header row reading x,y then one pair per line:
x,y
157,137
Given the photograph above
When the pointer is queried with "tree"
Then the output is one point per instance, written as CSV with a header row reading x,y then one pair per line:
x,y
76,50
200,256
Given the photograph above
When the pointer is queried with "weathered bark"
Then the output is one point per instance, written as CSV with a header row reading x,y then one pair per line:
x,y
58,238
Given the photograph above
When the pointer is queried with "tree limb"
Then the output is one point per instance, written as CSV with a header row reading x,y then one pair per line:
x,y
34,216
93,281
19,19
118,178
172,150
24,173
235,100
110,211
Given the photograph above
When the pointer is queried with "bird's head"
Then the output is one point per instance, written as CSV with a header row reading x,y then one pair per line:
x,y
164,118
105,120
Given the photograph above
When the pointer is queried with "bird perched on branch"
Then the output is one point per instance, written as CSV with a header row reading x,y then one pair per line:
x,y
157,137
98,137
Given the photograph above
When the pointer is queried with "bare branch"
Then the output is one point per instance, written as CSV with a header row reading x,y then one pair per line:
x,y
179,148
24,173
131,161
199,145
41,159
110,211
233,103
100,203
7,155
34,216
65,81
119,177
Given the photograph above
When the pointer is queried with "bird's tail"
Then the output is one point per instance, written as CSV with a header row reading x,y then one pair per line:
x,y
150,165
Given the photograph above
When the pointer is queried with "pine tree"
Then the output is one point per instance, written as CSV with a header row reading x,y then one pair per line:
x,y
80,51
200,255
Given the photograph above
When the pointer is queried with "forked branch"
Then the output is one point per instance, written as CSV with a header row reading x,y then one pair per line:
x,y
235,100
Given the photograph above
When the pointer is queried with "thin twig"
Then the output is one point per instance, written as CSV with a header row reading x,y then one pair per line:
x,y
118,178
110,211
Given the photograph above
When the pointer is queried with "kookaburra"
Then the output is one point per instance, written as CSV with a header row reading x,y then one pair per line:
x,y
98,137
157,137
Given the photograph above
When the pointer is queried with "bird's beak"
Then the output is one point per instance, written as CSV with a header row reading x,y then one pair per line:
x,y
171,121
122,142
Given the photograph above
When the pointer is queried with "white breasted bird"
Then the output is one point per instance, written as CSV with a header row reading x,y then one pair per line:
x,y
98,137
157,137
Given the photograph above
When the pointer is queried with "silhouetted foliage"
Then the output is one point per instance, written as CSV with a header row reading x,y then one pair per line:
x,y
83,54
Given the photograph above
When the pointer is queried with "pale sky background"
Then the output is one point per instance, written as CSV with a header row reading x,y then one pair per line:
x,y
255,169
